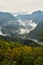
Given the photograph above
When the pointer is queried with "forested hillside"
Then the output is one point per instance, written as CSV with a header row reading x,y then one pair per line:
x,y
16,53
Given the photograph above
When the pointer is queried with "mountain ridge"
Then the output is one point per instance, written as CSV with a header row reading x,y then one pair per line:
x,y
20,25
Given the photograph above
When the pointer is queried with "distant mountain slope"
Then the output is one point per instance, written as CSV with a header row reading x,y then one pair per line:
x,y
5,17
36,16
37,33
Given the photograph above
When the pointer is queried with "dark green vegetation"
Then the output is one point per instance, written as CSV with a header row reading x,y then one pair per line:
x,y
13,52
19,40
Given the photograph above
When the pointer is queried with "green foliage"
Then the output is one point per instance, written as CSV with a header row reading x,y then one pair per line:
x,y
14,53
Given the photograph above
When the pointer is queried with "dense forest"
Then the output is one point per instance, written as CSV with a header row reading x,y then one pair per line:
x,y
17,53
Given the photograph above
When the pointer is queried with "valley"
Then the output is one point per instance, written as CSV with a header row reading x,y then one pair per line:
x,y
21,38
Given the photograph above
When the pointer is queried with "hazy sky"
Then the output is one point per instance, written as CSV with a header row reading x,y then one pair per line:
x,y
21,5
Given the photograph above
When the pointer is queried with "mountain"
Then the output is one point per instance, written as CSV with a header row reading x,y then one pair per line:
x,y
20,25
11,26
37,33
36,16
5,17
17,28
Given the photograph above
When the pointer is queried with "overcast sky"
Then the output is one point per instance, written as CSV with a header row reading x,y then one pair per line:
x,y
21,5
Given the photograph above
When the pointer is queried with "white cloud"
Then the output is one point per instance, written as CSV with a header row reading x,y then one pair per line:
x,y
2,33
22,31
21,22
27,26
